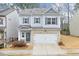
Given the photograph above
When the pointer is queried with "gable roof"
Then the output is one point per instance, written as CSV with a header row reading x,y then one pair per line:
x,y
38,11
51,12
6,12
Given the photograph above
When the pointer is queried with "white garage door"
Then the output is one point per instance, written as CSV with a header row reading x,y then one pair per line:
x,y
45,38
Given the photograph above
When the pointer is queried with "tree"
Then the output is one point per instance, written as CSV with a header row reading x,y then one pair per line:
x,y
66,11
68,7
25,5
76,6
3,6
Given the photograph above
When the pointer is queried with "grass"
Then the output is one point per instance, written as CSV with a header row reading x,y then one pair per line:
x,y
15,54
70,41
18,48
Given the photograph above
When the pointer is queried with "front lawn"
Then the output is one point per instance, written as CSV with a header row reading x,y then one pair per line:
x,y
70,41
19,48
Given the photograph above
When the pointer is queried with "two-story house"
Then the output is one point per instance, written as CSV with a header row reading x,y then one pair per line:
x,y
8,23
39,25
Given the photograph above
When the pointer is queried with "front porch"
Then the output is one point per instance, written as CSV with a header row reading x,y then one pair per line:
x,y
24,35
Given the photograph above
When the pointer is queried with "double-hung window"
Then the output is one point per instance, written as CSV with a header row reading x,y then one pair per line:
x,y
37,20
54,20
25,20
49,21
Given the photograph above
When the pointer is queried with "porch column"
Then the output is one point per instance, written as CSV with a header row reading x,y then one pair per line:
x,y
18,35
4,33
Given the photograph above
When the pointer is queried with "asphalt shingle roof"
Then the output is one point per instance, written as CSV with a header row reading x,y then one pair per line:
x,y
25,12
6,11
37,11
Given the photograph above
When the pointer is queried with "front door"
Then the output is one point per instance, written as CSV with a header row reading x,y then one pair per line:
x,y
28,37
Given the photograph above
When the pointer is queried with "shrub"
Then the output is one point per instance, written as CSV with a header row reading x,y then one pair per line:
x,y
64,30
13,39
19,44
2,45
60,43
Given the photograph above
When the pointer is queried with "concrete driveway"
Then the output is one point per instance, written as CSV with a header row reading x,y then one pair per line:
x,y
47,49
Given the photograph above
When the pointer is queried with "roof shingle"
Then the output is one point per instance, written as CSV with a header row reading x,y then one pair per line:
x,y
36,11
6,11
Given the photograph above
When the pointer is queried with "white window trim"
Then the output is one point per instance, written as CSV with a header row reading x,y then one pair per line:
x,y
39,21
34,20
51,21
27,22
55,21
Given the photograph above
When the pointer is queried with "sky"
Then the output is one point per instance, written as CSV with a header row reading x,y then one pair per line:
x,y
54,6
48,5
45,5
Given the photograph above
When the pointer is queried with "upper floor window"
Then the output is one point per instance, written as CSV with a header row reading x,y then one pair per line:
x,y
54,20
50,20
36,20
26,20
1,21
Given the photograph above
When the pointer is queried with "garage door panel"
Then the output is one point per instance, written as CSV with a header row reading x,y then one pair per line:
x,y
45,38
52,38
38,39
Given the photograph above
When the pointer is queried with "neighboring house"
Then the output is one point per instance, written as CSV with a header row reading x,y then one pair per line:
x,y
65,21
39,25
8,23
74,25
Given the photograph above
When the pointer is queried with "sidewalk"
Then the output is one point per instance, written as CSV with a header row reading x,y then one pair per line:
x,y
15,52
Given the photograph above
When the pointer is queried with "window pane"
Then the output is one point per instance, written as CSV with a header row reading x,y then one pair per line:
x,y
25,20
1,21
54,20
36,20
48,21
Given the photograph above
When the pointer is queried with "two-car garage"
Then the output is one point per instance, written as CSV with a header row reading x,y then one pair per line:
x,y
42,36
45,38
